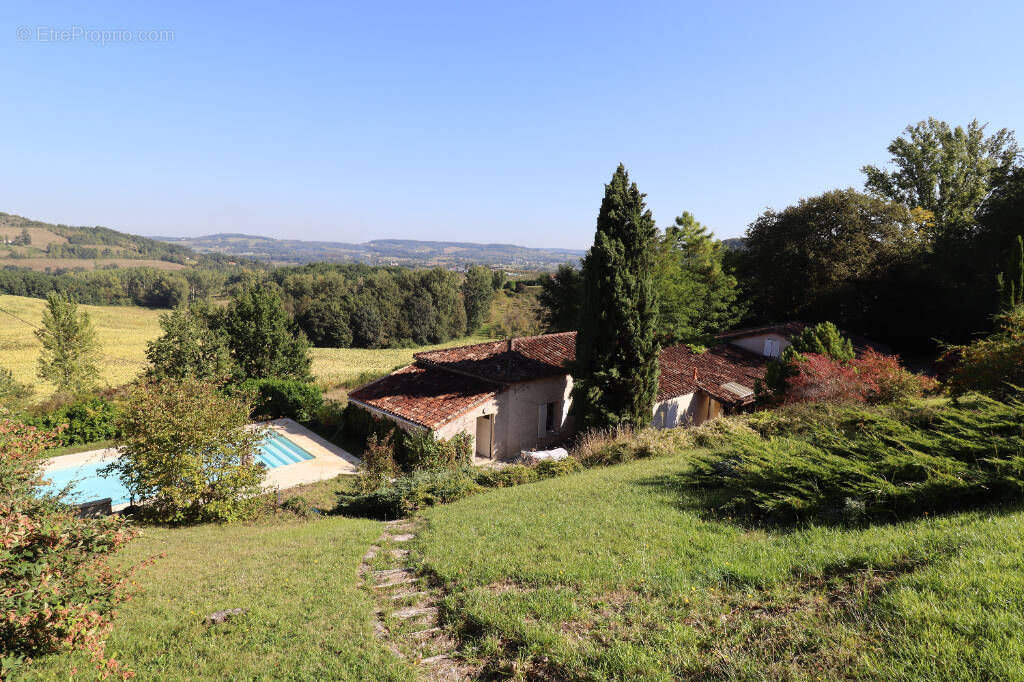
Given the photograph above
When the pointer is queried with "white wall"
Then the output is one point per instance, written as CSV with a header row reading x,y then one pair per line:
x,y
755,344
692,409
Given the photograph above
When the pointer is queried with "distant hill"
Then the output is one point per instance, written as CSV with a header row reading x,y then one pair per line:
x,y
379,251
66,247
735,243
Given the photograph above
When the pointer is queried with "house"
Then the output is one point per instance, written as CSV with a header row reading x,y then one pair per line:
x,y
514,395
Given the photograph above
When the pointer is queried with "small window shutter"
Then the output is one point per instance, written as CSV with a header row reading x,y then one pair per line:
x,y
542,417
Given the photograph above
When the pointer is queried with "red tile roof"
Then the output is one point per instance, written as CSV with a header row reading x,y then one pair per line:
x,y
683,372
447,383
509,361
427,397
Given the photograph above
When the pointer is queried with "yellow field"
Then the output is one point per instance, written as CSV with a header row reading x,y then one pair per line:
x,y
42,263
335,366
124,331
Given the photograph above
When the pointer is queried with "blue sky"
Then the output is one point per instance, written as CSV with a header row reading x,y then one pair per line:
x,y
475,121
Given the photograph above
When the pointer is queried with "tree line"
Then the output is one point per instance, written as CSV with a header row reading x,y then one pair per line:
x,y
917,256
377,307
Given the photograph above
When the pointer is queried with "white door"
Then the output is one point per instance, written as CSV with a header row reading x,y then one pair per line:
x,y
484,436
771,348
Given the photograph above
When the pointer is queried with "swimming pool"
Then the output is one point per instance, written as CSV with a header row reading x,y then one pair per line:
x,y
275,451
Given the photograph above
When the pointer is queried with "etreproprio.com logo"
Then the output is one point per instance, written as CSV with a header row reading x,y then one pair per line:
x,y
100,36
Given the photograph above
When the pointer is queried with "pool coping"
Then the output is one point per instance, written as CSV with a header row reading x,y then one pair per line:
x,y
328,460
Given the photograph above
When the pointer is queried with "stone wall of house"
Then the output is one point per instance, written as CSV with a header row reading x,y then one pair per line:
x,y
692,409
518,415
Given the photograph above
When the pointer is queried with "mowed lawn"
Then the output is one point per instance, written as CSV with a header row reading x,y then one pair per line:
x,y
621,574
308,618
124,331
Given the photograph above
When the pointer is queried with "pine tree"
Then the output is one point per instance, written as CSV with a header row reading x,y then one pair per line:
x,y
69,345
616,367
1011,282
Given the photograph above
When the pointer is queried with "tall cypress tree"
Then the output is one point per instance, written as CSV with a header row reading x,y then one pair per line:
x,y
616,368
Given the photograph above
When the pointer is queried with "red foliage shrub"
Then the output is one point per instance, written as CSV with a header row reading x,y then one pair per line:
x,y
820,378
873,377
56,591
885,379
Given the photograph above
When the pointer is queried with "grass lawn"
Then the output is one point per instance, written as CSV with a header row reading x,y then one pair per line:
x,y
308,618
619,573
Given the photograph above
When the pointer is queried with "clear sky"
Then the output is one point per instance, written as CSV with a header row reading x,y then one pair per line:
x,y
475,121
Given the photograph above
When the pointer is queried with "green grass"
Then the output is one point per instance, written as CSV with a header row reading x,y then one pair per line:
x,y
620,573
308,617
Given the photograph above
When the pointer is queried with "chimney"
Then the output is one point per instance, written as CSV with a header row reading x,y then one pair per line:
x,y
694,375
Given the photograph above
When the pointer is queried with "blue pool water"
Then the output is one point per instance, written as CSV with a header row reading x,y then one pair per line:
x,y
275,451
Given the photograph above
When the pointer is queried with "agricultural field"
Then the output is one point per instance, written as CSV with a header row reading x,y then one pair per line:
x,y
624,573
42,264
307,616
124,331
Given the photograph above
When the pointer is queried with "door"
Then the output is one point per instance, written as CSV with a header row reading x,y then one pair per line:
x,y
485,436
771,348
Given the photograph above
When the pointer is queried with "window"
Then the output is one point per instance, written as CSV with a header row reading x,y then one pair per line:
x,y
547,419
771,348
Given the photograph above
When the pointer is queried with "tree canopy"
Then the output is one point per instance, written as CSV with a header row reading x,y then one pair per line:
x,y
70,348
616,369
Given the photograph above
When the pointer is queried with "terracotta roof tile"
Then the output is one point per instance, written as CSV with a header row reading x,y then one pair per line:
x,y
509,361
683,372
428,397
447,383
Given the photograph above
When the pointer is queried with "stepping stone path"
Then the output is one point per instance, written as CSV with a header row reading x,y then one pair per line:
x,y
407,613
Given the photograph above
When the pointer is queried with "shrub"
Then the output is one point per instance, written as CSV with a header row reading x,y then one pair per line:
x,y
411,493
551,468
299,506
994,365
186,450
821,378
56,592
377,467
276,398
506,477
885,379
423,450
875,463
85,421
602,447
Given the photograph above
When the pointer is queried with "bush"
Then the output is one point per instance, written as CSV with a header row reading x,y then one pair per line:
x,y
820,378
87,420
874,463
13,393
56,593
423,450
277,398
994,365
411,493
377,467
299,506
551,468
506,477
886,380
186,450
603,447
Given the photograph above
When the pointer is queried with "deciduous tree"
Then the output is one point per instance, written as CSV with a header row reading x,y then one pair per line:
x,y
264,341
70,348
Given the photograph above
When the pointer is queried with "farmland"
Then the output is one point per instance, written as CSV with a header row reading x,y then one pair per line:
x,y
124,331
